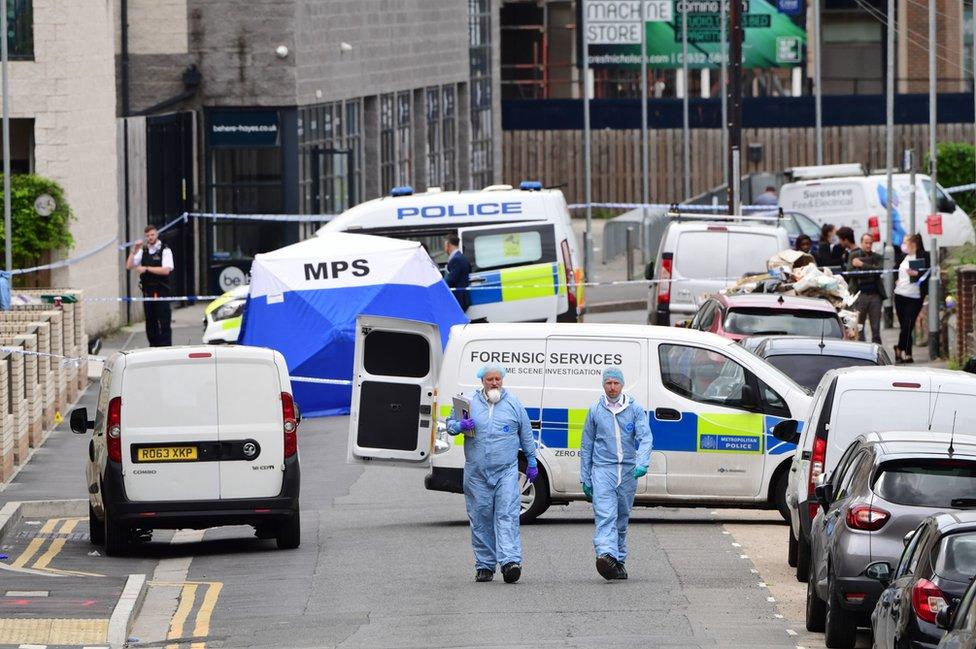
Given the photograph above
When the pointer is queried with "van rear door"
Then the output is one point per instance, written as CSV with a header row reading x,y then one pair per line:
x,y
516,274
698,268
170,440
249,419
394,395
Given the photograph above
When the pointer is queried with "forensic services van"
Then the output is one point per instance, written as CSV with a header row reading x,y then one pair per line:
x,y
524,261
711,406
833,194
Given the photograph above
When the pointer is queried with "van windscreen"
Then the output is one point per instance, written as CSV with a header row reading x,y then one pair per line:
x,y
926,482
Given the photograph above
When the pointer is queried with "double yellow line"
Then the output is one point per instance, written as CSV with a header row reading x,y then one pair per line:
x,y
43,562
188,596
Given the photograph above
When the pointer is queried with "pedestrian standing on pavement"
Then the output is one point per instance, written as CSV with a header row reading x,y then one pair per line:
x,y
768,197
495,430
866,279
615,451
458,271
845,241
153,260
909,294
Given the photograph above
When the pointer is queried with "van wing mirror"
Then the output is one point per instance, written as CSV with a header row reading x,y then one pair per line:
x,y
946,204
79,421
879,571
824,493
649,271
786,431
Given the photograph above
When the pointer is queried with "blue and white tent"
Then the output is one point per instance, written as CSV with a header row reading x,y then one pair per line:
x,y
304,300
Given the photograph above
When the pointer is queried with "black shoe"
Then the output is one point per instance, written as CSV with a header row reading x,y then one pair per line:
x,y
621,571
607,566
484,574
511,572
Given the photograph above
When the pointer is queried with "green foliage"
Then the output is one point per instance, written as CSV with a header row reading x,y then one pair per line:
x,y
957,166
34,234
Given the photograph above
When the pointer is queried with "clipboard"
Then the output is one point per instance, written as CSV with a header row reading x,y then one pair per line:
x,y
917,264
462,410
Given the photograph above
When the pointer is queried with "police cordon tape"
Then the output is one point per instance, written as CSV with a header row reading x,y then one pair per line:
x,y
682,207
66,361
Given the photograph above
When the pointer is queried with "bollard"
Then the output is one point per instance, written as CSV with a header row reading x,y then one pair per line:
x,y
630,253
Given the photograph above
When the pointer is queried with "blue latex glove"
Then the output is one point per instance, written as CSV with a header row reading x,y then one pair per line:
x,y
531,473
588,492
640,471
467,424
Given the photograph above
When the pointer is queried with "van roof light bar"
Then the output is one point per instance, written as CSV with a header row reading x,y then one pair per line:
x,y
530,186
678,215
405,190
826,171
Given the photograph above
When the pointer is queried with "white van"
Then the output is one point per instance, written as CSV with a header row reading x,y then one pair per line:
x,y
856,400
855,201
712,405
698,258
192,437
524,261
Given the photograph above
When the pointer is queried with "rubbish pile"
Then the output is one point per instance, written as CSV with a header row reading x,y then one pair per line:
x,y
792,272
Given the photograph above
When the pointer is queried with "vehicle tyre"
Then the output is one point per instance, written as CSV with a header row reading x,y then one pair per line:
x,y
115,536
840,628
802,559
289,534
779,495
792,551
816,610
96,532
534,497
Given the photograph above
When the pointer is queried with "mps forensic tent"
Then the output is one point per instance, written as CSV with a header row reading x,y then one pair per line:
x,y
304,300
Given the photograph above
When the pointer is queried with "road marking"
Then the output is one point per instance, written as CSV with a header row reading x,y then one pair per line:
x,y
34,545
202,628
41,565
56,545
790,632
27,593
52,631
736,545
187,596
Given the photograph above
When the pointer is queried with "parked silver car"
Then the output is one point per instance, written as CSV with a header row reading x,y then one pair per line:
x,y
882,488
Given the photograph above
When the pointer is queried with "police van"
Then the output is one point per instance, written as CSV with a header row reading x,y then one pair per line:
x,y
524,261
711,406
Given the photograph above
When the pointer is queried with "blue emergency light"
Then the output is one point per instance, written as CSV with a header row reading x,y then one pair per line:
x,y
405,190
530,186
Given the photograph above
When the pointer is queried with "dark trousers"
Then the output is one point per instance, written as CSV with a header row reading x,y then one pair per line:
x,y
868,307
158,329
907,309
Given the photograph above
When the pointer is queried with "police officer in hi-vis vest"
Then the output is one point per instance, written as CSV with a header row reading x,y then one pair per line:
x,y
153,260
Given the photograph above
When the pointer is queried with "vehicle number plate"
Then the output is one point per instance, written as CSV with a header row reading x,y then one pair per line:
x,y
167,454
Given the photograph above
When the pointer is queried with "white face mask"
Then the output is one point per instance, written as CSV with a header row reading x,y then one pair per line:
x,y
494,395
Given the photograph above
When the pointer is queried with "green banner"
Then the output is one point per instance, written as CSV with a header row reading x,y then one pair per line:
x,y
770,38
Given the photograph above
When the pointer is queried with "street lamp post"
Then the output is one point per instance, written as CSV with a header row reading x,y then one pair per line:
x,y
7,228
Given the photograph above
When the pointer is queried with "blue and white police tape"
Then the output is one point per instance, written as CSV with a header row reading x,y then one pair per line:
x,y
682,207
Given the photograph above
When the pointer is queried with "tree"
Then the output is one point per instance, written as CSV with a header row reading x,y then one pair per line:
x,y
957,166
33,234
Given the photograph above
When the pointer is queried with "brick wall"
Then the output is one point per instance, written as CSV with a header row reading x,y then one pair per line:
x,y
913,48
69,90
965,312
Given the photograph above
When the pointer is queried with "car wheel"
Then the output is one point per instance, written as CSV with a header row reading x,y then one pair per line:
x,y
802,559
792,550
289,534
115,536
96,533
816,610
533,496
779,495
840,629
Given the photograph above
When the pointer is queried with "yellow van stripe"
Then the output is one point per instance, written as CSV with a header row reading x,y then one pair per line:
x,y
527,282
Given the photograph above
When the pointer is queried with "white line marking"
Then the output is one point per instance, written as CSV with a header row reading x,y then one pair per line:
x,y
743,556
762,584
736,545
790,632
27,593
770,599
777,616
753,571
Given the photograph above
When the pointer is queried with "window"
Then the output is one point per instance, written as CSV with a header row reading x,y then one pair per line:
x,y
394,353
387,144
846,478
404,140
808,369
909,558
435,162
20,30
749,252
482,140
329,140
507,249
449,138
703,375
754,321
773,404
926,483
703,320
956,557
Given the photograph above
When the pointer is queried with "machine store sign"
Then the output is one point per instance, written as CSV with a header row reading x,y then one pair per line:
x,y
613,33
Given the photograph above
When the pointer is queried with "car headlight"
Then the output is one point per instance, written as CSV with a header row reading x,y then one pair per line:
x,y
444,440
230,310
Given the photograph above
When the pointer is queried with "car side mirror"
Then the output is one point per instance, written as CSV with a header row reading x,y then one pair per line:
x,y
786,431
824,494
79,421
879,571
649,271
947,205
943,619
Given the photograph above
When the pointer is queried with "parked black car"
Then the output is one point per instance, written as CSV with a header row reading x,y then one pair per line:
x,y
806,359
959,622
933,573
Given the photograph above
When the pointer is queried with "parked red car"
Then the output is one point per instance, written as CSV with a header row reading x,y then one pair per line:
x,y
753,314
